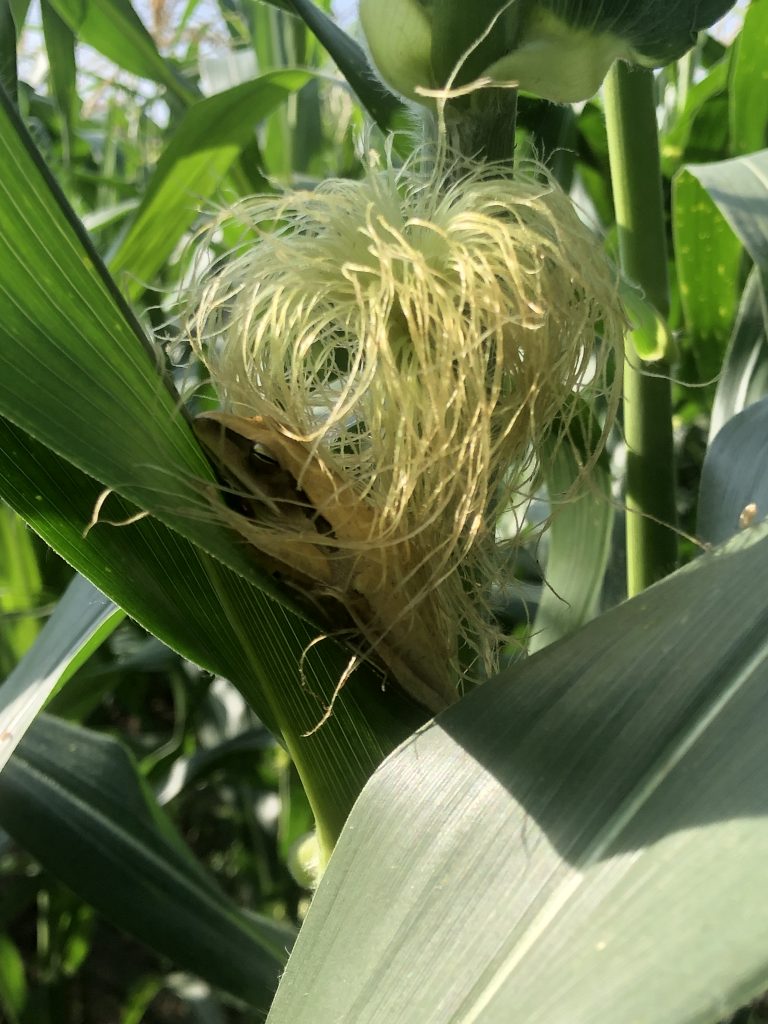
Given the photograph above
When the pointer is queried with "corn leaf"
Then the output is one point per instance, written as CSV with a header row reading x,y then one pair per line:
x,y
211,615
734,479
20,589
209,138
75,800
378,101
578,539
76,375
578,841
748,96
707,257
82,620
113,28
744,375
739,189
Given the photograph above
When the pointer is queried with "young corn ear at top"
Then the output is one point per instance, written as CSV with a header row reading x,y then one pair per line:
x,y
390,354
560,50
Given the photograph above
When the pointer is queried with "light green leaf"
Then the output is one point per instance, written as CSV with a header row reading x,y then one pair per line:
x,y
748,96
673,142
734,479
82,620
739,188
707,257
13,981
579,841
74,799
193,165
20,588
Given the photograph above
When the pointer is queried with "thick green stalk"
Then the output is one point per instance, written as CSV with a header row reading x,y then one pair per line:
x,y
636,176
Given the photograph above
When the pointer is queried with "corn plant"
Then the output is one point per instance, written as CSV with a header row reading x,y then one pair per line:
x,y
409,383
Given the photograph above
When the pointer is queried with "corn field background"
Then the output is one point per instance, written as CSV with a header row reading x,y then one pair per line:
x,y
582,838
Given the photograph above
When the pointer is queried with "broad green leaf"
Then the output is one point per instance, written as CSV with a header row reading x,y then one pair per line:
x,y
20,588
582,840
75,800
113,28
748,95
744,375
66,332
351,60
707,257
206,143
734,479
739,188
579,539
82,620
211,615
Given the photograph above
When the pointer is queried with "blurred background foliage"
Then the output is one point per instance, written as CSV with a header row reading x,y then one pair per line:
x,y
129,110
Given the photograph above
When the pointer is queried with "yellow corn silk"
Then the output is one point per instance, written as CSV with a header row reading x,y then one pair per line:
x,y
390,354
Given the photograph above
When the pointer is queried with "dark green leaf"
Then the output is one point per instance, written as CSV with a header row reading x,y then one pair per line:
x,y
8,76
74,799
65,332
659,30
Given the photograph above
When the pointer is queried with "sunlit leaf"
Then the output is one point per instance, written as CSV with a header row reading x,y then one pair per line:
x,y
578,841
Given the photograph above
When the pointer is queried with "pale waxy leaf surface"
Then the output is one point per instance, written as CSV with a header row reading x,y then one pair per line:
x,y
744,374
578,539
733,493
579,841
